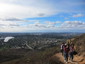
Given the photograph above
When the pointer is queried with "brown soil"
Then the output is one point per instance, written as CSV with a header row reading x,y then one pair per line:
x,y
77,59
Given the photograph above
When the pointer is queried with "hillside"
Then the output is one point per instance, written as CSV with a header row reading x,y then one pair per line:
x,y
23,56
79,42
49,54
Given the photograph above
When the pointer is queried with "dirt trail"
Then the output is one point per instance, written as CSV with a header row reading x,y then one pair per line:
x,y
77,59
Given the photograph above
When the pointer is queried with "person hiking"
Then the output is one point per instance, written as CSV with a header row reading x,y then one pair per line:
x,y
62,45
65,52
71,52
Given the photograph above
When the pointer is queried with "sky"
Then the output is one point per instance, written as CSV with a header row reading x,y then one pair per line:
x,y
42,15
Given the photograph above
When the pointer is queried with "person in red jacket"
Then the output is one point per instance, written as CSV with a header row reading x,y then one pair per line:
x,y
66,51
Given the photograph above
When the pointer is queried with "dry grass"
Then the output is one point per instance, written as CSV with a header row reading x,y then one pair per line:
x,y
31,57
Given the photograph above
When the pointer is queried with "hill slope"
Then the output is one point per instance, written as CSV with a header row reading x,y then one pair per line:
x,y
80,44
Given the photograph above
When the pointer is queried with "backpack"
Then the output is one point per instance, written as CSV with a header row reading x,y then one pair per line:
x,y
74,53
62,46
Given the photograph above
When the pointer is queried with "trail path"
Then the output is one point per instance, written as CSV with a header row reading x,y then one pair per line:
x,y
77,59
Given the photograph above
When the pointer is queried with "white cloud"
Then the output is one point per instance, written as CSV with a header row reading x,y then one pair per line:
x,y
34,8
12,11
20,11
8,26
73,24
78,15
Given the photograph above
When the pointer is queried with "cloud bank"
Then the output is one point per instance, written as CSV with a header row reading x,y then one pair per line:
x,y
42,15
37,26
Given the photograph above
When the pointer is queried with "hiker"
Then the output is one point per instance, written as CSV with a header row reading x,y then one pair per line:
x,y
71,52
65,52
62,45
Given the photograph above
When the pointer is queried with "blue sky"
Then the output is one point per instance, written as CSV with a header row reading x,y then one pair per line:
x,y
42,16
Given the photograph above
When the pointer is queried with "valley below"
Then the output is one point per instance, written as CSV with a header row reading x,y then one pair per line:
x,y
32,48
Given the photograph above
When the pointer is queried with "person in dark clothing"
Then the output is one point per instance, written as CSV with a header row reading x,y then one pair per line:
x,y
62,46
71,51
